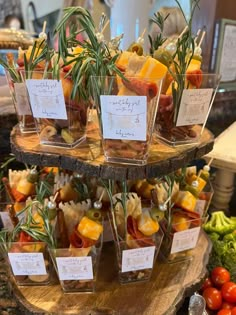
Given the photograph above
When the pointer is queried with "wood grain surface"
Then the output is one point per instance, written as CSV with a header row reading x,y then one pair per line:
x,y
88,157
163,294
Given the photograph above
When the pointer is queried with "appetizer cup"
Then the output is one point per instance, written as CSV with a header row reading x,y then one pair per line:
x,y
126,111
18,93
184,108
136,258
61,121
29,262
181,239
77,267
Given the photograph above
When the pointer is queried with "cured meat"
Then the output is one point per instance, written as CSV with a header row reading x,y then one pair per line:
x,y
139,237
79,241
141,87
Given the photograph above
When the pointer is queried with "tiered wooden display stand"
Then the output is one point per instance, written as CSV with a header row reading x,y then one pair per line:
x,y
170,283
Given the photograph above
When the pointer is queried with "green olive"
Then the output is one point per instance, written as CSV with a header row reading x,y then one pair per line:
x,y
32,177
163,56
94,214
204,175
192,190
197,57
157,214
135,47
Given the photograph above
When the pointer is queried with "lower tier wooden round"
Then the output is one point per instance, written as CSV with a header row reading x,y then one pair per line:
x,y
163,294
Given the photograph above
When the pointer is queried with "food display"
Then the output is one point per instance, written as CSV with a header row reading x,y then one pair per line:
x,y
136,233
61,214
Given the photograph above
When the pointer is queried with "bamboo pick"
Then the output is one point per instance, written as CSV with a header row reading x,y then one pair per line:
x,y
102,194
184,30
44,26
202,37
196,38
105,26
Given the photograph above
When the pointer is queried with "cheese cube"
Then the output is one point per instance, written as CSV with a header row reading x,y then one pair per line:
x,y
90,229
152,69
186,200
147,225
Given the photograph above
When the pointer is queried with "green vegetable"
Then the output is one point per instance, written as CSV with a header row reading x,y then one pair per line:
x,y
223,253
220,223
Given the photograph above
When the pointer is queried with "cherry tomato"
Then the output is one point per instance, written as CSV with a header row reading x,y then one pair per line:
x,y
227,305
233,310
207,284
213,298
219,276
224,312
228,291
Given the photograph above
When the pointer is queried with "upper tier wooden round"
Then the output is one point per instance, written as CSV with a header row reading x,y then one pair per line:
x,y
88,158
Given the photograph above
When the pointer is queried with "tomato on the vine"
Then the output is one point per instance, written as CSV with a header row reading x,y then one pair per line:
x,y
213,298
224,312
220,275
228,291
207,284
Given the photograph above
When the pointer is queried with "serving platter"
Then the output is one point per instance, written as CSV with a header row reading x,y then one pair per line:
x,y
170,284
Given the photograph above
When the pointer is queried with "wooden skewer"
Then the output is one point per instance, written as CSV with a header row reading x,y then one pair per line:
x,y
105,26
44,26
184,30
167,200
102,194
202,37
143,33
55,197
196,38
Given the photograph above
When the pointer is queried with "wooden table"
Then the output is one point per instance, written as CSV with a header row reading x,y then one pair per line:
x,y
224,155
163,294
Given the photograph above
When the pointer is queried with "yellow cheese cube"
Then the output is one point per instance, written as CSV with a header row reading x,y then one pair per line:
x,y
90,229
123,60
152,69
147,225
186,200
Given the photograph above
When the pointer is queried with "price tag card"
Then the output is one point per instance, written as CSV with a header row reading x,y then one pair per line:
x,y
75,268
22,102
6,221
27,264
200,206
185,240
124,117
46,99
194,106
137,259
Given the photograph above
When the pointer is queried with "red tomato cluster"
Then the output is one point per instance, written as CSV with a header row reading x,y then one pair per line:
x,y
219,292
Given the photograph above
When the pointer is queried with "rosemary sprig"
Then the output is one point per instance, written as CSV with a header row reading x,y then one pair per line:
x,y
181,59
95,59
157,42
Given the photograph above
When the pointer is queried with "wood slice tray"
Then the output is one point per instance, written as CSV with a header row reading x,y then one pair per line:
x,y
170,284
88,157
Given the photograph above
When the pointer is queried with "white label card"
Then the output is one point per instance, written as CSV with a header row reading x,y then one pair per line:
x,y
194,106
75,268
137,259
6,220
46,99
22,102
185,240
27,264
124,117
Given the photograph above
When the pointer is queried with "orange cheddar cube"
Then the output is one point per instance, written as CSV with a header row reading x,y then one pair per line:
x,y
186,200
90,229
153,69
